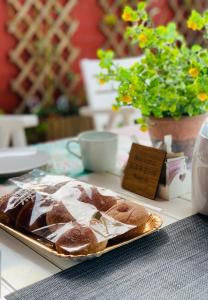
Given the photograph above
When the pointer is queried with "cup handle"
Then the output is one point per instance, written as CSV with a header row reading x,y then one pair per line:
x,y
68,144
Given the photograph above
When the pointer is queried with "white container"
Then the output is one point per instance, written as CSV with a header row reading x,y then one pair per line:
x,y
178,179
200,172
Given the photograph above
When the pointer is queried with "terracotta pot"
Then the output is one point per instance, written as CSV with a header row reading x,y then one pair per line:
x,y
184,131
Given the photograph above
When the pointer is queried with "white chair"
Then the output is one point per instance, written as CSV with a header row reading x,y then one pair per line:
x,y
101,97
12,129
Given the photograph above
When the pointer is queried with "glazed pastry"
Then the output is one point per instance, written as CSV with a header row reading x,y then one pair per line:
x,y
58,215
96,197
11,205
32,216
5,217
132,214
85,195
51,189
23,218
101,201
79,240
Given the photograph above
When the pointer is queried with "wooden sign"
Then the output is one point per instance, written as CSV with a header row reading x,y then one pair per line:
x,y
142,173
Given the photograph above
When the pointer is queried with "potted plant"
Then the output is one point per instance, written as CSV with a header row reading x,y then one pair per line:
x,y
57,110
170,83
60,119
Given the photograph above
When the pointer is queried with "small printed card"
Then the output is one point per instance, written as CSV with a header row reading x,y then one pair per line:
x,y
143,170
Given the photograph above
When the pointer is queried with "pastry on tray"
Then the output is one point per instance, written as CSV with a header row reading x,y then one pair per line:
x,y
24,216
53,188
24,209
5,217
97,197
60,214
101,200
129,213
79,240
32,216
11,205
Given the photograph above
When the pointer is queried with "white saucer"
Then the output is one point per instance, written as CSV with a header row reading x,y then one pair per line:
x,y
15,161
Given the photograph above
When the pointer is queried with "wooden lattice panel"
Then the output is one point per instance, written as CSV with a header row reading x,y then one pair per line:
x,y
181,10
113,27
44,51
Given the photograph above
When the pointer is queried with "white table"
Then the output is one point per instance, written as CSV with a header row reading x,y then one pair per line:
x,y
21,265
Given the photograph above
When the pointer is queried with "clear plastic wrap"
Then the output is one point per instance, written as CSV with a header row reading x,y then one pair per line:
x,y
75,217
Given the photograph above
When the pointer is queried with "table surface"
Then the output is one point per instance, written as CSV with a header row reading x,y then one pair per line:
x,y
22,265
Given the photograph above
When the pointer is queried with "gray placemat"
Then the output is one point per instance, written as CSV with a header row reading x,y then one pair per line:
x,y
169,264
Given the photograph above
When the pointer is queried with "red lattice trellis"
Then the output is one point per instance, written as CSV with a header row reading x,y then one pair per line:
x,y
44,52
181,10
113,27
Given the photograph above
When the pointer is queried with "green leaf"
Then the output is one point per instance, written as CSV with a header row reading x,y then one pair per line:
x,y
196,48
140,121
141,5
173,107
100,53
206,16
197,19
190,110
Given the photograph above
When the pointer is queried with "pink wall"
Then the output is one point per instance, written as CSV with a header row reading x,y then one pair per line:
x,y
8,100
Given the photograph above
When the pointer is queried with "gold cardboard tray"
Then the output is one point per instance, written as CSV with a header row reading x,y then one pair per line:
x,y
154,223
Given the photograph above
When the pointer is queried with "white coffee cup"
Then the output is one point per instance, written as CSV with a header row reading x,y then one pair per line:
x,y
98,150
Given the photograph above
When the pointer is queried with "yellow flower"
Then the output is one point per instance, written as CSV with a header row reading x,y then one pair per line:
x,y
126,16
143,128
192,25
194,72
202,96
102,81
142,38
115,108
127,99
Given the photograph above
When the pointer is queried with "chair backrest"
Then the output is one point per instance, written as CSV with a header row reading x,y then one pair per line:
x,y
101,96
12,129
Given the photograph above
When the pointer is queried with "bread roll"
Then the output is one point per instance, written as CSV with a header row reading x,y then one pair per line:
x,y
5,218
132,214
58,215
79,240
95,196
32,215
11,205
51,189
